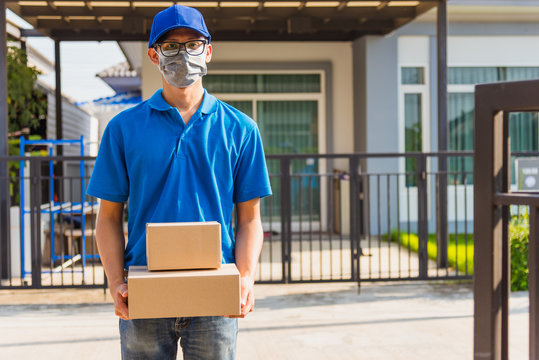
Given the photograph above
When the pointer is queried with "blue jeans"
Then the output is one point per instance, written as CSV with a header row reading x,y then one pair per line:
x,y
201,338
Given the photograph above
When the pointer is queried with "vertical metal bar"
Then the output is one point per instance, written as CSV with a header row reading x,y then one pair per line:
x,y
58,94
22,209
300,205
341,230
285,216
379,219
311,226
51,175
422,216
456,223
388,197
533,281
16,180
488,233
368,221
466,270
320,241
354,218
93,255
35,214
61,188
408,224
52,244
331,221
397,179
59,171
271,236
82,215
51,213
504,184
441,213
4,166
71,228
441,35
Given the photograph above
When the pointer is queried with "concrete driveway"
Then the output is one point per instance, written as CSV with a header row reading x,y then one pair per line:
x,y
306,321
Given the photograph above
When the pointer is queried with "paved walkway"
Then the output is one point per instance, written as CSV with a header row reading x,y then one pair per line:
x,y
307,321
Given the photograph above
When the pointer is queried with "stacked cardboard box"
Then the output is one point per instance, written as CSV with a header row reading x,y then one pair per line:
x,y
184,276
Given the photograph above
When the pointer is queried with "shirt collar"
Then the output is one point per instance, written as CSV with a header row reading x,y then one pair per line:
x,y
158,103
209,103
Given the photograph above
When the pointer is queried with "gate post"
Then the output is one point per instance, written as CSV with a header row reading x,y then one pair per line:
x,y
5,269
286,218
35,220
533,281
422,215
355,239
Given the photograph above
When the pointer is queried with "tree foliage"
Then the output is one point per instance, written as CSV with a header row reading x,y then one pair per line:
x,y
27,105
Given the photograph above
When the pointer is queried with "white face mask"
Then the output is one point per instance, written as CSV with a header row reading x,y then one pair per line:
x,y
183,69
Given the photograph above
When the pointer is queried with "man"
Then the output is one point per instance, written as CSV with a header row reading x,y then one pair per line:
x,y
182,155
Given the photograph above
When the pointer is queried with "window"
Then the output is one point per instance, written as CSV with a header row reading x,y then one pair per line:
x,y
413,75
413,137
414,115
288,109
460,136
262,83
523,127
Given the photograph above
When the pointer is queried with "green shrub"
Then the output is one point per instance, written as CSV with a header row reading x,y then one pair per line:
x,y
459,251
462,254
518,235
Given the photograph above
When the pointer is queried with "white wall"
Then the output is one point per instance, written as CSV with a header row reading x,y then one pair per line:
x,y
339,54
76,122
413,50
493,50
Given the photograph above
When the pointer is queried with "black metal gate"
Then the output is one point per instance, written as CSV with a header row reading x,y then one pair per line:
x,y
367,217
333,217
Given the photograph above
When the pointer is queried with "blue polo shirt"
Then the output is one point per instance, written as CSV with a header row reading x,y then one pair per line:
x,y
172,172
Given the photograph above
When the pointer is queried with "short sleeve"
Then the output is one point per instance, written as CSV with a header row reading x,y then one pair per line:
x,y
109,180
251,178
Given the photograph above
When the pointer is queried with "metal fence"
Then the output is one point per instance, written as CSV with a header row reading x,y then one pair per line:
x,y
50,242
363,217
494,199
332,217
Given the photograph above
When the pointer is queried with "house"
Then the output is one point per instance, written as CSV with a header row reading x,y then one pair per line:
x,y
341,76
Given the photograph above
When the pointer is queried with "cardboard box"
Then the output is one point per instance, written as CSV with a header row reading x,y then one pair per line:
x,y
188,245
158,294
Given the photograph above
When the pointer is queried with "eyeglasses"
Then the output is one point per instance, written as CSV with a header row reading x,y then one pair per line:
x,y
172,48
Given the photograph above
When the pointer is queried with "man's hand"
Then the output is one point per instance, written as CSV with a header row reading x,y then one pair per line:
x,y
119,295
111,245
249,238
247,297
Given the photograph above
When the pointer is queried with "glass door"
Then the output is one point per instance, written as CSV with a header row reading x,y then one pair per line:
x,y
291,127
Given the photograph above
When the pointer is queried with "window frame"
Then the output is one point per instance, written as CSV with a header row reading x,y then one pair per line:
x,y
424,91
320,97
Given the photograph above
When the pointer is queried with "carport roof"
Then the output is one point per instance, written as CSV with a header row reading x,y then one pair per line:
x,y
227,20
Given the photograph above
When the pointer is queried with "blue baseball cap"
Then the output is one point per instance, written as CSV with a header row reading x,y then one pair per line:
x,y
174,17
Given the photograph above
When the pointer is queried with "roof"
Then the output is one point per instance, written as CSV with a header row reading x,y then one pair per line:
x,y
119,70
124,98
241,20
494,11
121,78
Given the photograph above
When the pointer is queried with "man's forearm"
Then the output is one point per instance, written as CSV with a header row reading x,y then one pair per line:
x,y
249,241
111,245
